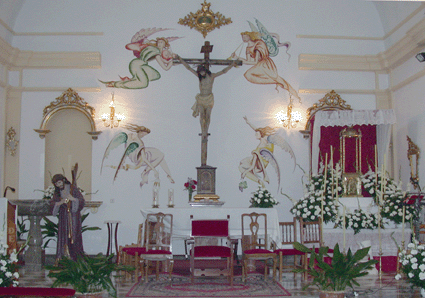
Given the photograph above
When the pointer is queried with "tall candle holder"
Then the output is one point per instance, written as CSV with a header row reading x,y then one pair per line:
x,y
170,198
155,192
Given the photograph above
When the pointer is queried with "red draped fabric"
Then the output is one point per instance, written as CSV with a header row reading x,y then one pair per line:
x,y
330,137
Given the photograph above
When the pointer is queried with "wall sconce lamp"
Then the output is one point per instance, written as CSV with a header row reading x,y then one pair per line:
x,y
420,57
289,119
114,119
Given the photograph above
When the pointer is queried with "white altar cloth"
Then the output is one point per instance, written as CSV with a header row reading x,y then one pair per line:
x,y
182,225
389,248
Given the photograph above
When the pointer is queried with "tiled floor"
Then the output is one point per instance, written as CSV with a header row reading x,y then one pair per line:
x,y
370,286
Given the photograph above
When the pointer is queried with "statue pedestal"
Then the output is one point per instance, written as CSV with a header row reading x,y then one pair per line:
x,y
206,186
35,210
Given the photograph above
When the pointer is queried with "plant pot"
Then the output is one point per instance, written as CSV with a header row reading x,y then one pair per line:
x,y
332,294
89,295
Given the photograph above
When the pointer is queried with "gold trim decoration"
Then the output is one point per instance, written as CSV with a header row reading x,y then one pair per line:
x,y
413,154
204,20
68,100
11,143
331,101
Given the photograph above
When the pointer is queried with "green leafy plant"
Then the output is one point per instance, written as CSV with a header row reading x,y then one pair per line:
x,y
49,229
21,227
340,273
87,274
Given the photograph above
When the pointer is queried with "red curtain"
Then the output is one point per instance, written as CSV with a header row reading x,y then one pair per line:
x,y
330,137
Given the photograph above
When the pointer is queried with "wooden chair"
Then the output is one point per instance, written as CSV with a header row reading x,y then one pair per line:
x,y
210,240
255,243
158,243
129,255
288,231
311,236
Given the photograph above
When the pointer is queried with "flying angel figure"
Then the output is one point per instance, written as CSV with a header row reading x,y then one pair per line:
x,y
272,40
146,50
254,166
260,47
136,155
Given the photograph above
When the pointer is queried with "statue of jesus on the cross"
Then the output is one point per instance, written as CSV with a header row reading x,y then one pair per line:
x,y
205,98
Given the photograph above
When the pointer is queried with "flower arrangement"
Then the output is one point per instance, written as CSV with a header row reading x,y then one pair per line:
x,y
393,196
358,220
310,206
8,265
413,264
262,198
190,186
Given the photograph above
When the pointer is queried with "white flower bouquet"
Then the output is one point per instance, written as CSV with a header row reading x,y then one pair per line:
x,y
8,266
358,220
310,206
262,198
413,264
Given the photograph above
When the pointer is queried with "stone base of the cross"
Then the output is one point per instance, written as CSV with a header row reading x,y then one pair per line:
x,y
206,184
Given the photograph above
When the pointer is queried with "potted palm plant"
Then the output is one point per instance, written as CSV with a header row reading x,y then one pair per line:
x,y
332,279
89,276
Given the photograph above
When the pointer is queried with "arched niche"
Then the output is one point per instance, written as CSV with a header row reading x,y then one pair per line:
x,y
65,125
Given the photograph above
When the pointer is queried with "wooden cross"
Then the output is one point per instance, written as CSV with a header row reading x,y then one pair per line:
x,y
206,49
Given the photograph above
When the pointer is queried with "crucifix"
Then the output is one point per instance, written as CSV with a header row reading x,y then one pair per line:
x,y
204,104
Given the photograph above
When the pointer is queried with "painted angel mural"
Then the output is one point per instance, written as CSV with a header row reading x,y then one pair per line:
x,y
146,50
254,167
136,155
261,45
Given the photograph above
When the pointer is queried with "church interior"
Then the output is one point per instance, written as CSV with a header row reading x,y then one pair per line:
x,y
118,88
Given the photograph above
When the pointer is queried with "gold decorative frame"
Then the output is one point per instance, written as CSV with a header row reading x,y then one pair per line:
x,y
413,154
331,101
11,143
204,20
68,100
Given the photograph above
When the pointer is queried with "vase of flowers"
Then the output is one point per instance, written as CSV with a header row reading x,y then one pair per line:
x,y
413,264
262,198
8,264
190,186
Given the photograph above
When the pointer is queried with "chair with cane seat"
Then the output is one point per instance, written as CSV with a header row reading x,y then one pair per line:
x,y
255,243
129,255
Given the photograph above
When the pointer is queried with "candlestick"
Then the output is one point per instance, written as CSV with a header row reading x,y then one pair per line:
x,y
170,198
332,172
403,223
376,169
343,225
323,194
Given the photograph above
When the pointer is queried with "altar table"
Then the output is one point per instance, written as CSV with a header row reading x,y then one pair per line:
x,y
389,247
182,224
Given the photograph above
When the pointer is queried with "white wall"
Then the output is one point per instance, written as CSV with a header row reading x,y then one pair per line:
x,y
164,106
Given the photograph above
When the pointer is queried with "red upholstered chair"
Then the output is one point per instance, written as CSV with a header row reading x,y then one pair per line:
x,y
210,240
158,243
255,242
288,231
129,255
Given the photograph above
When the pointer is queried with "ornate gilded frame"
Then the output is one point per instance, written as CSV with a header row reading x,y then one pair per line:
x,y
331,101
413,154
68,100
204,20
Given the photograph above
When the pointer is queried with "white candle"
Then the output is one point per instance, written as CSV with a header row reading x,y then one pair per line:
x,y
170,197
332,171
343,225
403,223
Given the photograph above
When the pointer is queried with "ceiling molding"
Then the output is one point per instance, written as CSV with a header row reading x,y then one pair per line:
x,y
15,59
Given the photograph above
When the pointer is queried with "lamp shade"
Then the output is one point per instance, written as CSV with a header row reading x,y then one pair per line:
x,y
421,57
